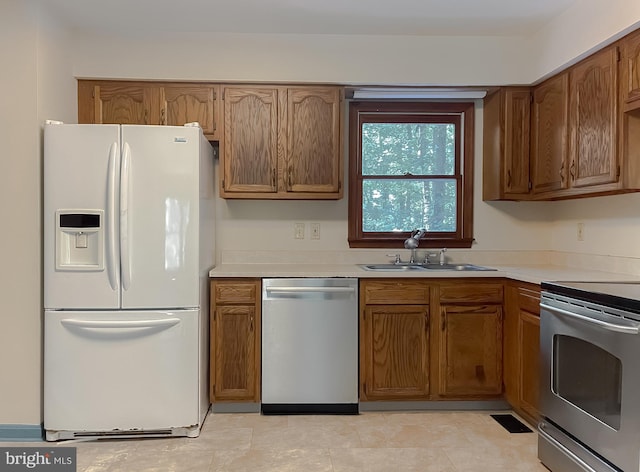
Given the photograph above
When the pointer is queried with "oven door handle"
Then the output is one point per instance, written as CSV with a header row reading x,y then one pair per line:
x,y
631,328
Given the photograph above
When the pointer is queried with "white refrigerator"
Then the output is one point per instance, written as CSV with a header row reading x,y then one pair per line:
x,y
128,243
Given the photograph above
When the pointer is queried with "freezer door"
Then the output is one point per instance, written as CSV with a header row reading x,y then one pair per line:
x,y
81,167
128,370
159,216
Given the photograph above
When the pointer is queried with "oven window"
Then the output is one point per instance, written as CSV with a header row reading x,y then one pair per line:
x,y
588,377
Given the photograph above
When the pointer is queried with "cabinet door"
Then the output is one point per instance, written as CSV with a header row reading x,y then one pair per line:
x,y
516,142
234,372
630,71
250,154
505,163
471,350
312,162
593,118
549,141
125,103
529,334
187,103
394,352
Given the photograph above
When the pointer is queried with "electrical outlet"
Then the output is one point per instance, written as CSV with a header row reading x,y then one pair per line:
x,y
315,230
298,230
580,231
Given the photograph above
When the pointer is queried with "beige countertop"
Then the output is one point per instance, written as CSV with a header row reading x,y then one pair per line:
x,y
529,273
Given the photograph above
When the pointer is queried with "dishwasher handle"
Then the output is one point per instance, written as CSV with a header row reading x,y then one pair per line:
x,y
310,290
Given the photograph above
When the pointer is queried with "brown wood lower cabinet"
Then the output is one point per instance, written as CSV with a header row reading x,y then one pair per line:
x,y
522,348
471,350
395,346
235,340
430,339
470,338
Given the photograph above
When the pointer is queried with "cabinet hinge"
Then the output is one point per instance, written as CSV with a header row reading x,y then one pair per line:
x,y
223,187
529,185
214,314
617,54
618,172
214,94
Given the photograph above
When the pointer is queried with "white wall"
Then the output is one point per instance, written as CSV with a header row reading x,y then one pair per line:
x,y
429,60
36,79
611,226
20,289
584,27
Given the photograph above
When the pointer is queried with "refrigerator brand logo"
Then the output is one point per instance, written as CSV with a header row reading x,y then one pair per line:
x,y
59,459
179,139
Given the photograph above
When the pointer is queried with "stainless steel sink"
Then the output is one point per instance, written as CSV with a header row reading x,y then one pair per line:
x,y
422,267
460,267
392,267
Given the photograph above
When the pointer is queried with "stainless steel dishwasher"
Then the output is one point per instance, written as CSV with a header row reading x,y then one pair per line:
x,y
310,346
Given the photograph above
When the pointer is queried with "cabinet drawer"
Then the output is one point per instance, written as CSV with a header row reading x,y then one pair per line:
x,y
470,293
235,291
529,300
385,292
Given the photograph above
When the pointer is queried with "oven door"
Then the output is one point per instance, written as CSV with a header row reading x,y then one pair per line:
x,y
590,382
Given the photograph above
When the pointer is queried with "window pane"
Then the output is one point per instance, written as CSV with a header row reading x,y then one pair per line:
x,y
414,148
402,205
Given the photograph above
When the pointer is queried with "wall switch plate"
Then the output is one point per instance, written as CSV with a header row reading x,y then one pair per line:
x,y
298,230
315,230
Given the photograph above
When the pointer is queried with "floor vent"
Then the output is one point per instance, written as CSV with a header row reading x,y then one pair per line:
x,y
511,424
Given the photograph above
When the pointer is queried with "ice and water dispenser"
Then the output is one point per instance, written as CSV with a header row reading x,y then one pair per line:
x,y
79,239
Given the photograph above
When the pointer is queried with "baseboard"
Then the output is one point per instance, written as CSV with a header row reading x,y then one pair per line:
x,y
21,432
452,405
235,407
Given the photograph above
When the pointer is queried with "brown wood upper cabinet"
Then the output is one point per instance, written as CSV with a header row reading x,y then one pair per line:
x,y
575,129
630,71
506,170
148,103
281,142
584,131
593,115
550,135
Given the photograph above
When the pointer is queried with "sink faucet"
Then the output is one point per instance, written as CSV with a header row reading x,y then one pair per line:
x,y
412,243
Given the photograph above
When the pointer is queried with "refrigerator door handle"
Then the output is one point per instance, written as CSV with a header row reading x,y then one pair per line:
x,y
125,260
107,324
112,264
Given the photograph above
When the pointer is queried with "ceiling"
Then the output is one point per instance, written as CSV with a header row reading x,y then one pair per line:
x,y
362,17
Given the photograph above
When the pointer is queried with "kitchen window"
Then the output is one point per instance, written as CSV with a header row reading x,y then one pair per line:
x,y
410,166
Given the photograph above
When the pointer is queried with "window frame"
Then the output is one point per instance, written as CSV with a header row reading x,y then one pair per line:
x,y
373,112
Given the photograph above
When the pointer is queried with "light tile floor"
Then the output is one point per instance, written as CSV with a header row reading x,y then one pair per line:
x,y
369,442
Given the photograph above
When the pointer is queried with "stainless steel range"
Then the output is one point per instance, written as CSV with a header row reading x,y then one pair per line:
x,y
590,376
